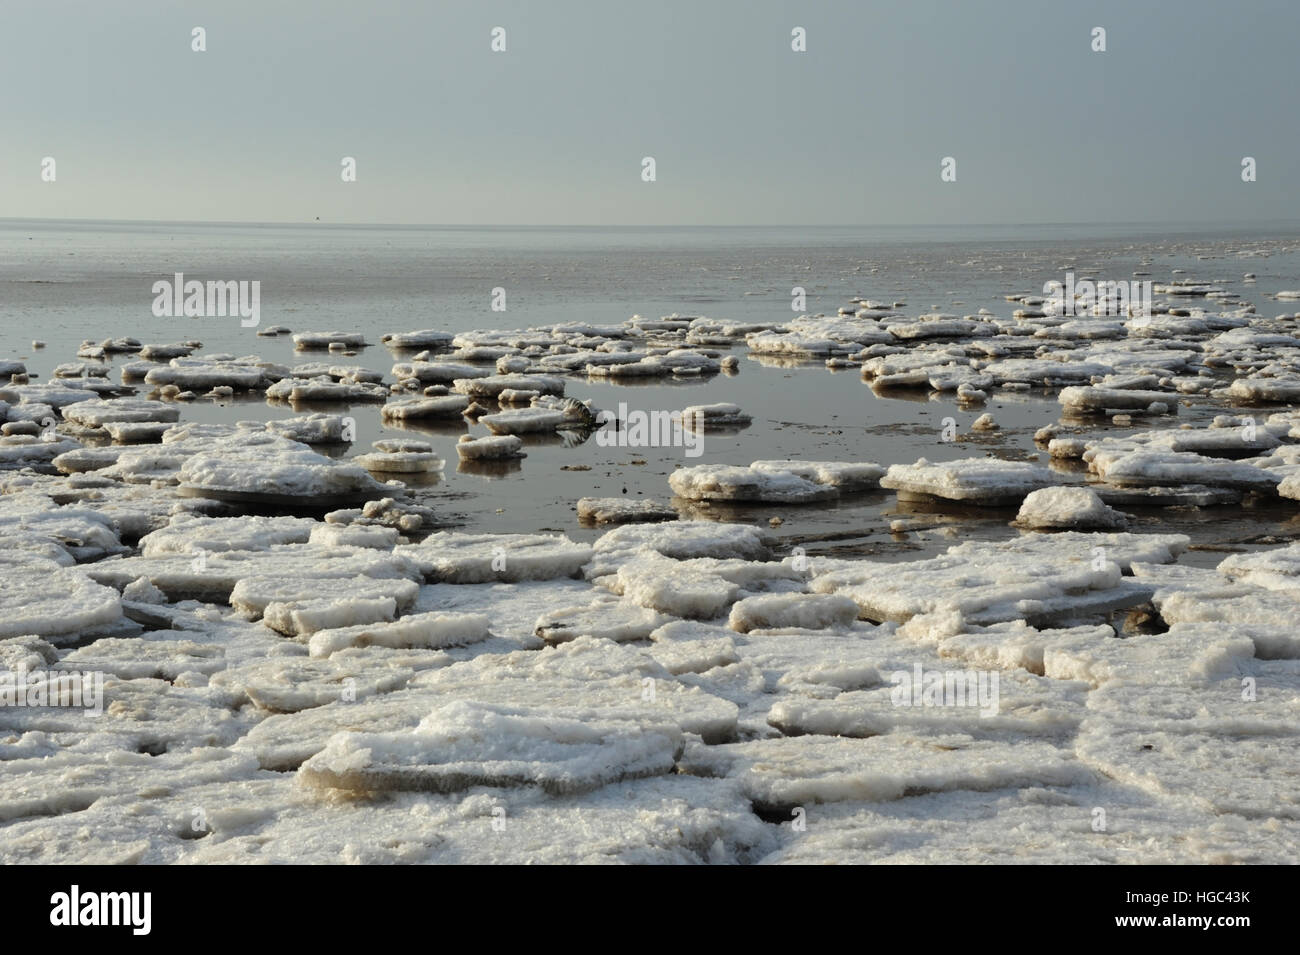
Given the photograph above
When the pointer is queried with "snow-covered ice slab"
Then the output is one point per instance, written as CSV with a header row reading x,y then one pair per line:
x,y
280,685
725,482
324,389
619,510
249,373
423,338
605,619
98,412
846,475
319,428
722,415
53,394
492,385
465,744
804,345
1172,468
983,481
42,598
679,540
489,448
136,432
33,522
809,611
1262,391
781,774
420,630
1028,826
300,605
258,467
189,534
309,340
436,373
1088,399
585,679
1037,577
1274,569
677,588
27,450
413,409
452,557
213,576
936,326
152,656
1068,508
1003,706
527,421
406,461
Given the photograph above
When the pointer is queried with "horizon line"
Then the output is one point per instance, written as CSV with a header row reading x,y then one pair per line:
x,y
647,225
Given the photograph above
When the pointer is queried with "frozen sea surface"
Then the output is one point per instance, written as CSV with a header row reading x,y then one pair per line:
x,y
834,620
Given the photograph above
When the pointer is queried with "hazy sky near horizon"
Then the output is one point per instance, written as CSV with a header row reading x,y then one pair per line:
x,y
743,129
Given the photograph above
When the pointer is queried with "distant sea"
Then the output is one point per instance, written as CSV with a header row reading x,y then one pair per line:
x,y
63,282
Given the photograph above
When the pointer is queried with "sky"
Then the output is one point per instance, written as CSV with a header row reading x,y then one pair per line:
x,y
743,129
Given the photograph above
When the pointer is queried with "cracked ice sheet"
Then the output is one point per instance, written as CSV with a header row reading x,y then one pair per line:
x,y
1250,775
606,618
1185,595
513,609
781,774
294,684
678,540
41,598
1173,713
33,520
461,744
134,509
213,577
158,654
1033,825
658,820
1038,576
186,534
452,557
139,715
702,587
583,679
1023,705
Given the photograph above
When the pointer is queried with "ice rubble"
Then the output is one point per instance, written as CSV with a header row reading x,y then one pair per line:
x,y
658,736
789,706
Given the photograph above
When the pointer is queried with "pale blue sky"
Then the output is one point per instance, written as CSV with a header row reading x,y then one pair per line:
x,y
743,130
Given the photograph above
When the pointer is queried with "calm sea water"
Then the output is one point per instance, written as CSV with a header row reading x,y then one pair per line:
x,y
65,282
